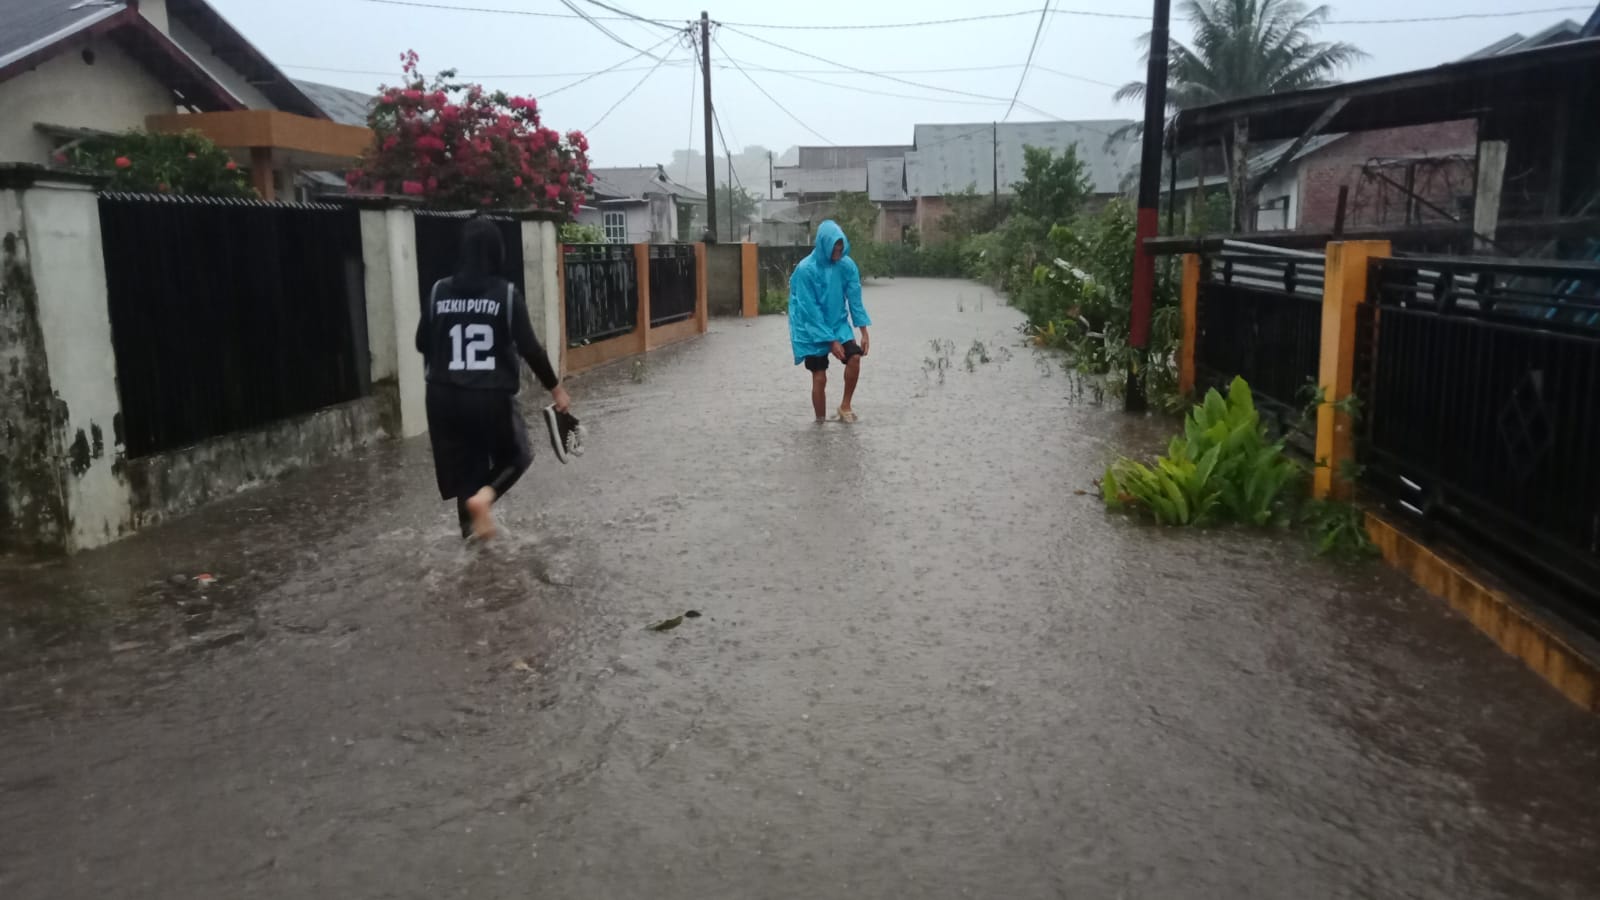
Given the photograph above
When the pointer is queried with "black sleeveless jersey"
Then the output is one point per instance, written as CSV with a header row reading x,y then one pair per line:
x,y
474,341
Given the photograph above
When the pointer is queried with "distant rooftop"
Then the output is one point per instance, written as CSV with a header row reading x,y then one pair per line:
x,y
636,182
948,159
342,105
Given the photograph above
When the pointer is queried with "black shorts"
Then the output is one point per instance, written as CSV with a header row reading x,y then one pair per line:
x,y
820,363
476,436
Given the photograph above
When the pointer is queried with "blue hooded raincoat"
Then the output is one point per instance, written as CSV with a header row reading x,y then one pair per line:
x,y
825,297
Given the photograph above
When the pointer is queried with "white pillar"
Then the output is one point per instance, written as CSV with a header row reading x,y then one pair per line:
x,y
541,257
389,251
61,222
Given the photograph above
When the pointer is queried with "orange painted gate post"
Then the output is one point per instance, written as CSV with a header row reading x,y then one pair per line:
x,y
1345,289
702,309
748,262
1191,325
641,278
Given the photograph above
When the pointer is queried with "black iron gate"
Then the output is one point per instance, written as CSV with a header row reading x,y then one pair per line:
x,y
1480,406
602,298
230,314
672,283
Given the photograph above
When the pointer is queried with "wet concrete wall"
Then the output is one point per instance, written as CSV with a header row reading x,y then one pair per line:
x,y
32,507
170,484
725,284
63,226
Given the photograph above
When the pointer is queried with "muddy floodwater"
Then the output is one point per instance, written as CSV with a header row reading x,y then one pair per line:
x,y
926,666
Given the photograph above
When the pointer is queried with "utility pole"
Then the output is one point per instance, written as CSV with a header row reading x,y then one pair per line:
x,y
711,155
994,135
1149,221
769,175
732,225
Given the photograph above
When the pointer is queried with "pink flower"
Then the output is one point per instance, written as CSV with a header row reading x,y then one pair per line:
x,y
588,178
565,178
411,188
122,162
552,192
413,95
430,144
232,166
390,142
517,180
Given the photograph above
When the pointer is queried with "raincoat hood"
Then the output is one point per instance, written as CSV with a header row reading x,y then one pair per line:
x,y
828,234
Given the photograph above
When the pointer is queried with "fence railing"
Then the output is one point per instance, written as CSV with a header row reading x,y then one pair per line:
x,y
1259,316
439,245
1480,404
602,299
228,315
673,284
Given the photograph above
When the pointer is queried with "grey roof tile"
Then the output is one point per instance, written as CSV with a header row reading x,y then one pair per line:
x,y
30,25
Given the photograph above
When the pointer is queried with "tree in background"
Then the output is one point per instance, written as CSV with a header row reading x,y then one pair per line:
x,y
743,207
1053,188
457,145
146,162
1247,48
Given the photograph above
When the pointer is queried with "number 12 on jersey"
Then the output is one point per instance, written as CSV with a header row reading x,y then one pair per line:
x,y
477,353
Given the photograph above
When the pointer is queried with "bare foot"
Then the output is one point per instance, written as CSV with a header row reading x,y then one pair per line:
x,y
846,414
481,508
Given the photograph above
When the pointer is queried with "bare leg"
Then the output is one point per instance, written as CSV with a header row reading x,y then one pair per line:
x,y
480,507
852,373
819,395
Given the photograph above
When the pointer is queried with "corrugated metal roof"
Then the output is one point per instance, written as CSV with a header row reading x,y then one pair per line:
x,y
795,180
886,180
342,105
951,158
1558,33
635,182
31,25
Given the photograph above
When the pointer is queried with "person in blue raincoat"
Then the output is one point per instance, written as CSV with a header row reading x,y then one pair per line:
x,y
824,311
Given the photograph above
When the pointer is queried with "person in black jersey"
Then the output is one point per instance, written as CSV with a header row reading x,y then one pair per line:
x,y
474,327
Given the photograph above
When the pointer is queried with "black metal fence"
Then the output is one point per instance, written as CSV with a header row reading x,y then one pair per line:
x,y
776,264
230,314
1260,317
601,295
1480,407
672,283
439,242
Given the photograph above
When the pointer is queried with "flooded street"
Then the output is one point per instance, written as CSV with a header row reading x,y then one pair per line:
x,y
926,666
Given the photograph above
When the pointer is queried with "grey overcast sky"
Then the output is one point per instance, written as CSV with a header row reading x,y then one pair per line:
x,y
535,55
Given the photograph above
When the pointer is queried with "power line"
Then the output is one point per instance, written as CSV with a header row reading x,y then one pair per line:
x,y
569,4
870,91
633,16
915,84
1044,16
1135,17
694,97
593,75
484,75
630,92
764,93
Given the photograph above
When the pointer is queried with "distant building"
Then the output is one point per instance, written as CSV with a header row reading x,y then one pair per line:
x,y
642,204
74,69
988,159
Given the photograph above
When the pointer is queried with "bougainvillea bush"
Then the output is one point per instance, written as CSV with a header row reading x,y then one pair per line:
x,y
460,146
146,162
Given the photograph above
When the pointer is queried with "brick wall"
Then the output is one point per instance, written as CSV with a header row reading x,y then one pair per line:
x,y
930,211
1371,201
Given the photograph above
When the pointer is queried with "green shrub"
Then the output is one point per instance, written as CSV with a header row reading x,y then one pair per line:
x,y
1221,468
148,162
574,233
774,303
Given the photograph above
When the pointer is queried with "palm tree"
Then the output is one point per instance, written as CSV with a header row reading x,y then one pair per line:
x,y
1246,48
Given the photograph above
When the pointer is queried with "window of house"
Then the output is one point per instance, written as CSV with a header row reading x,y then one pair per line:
x,y
616,225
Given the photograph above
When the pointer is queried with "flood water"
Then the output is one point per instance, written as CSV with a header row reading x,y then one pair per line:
x,y
926,666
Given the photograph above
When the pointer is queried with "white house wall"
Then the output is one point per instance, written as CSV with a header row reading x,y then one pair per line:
x,y
1284,184
114,94
229,77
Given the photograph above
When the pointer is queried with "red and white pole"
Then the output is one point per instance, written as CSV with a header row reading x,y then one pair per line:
x,y
1144,265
